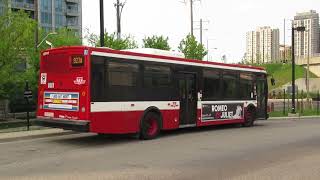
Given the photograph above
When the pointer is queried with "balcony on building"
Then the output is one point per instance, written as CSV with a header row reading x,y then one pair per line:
x,y
72,11
72,22
23,4
72,1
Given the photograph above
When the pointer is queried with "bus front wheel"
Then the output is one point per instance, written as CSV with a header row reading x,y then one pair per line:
x,y
150,126
249,117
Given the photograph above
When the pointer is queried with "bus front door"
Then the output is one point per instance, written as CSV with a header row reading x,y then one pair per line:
x,y
262,91
188,99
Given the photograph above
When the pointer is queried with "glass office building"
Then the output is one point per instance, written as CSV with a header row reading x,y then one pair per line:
x,y
52,14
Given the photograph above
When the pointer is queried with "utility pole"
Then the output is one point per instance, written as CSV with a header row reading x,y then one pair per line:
x,y
36,32
191,15
201,30
284,41
119,7
101,24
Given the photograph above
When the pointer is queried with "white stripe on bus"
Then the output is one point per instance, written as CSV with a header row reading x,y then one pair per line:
x,y
162,105
133,106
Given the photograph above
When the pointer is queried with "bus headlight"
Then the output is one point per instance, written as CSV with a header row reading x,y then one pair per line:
x,y
83,109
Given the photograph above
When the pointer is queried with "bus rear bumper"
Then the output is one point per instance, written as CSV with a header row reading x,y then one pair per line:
x,y
75,125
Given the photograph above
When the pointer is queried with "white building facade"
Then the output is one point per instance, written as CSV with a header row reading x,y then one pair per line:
x,y
308,41
262,46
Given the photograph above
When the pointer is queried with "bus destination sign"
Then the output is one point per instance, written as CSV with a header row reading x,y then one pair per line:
x,y
216,112
77,61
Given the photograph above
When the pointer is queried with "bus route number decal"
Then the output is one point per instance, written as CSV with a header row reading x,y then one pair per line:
x,y
77,61
215,112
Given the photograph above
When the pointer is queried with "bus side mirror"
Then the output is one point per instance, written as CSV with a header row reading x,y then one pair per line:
x,y
273,81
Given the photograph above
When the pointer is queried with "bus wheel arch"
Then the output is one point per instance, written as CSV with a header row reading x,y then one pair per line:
x,y
249,115
150,123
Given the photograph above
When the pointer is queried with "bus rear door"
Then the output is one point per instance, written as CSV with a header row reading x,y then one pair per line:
x,y
188,99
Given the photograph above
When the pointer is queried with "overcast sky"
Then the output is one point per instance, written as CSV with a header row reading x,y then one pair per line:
x,y
229,20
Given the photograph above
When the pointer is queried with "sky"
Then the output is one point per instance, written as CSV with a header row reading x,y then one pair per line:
x,y
225,28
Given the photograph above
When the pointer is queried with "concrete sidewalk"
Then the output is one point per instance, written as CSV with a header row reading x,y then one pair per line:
x,y
12,136
298,117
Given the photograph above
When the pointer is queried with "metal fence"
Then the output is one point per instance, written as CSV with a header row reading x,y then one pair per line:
x,y
302,104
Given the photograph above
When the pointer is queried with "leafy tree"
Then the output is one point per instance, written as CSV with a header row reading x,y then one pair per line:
x,y
63,37
111,41
156,42
17,39
19,60
192,49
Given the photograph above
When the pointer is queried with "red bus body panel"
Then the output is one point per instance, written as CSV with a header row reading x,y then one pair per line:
x,y
61,78
64,77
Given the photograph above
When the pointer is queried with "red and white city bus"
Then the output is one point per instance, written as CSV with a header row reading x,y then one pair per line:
x,y
108,91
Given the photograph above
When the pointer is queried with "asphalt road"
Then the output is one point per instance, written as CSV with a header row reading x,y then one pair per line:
x,y
274,149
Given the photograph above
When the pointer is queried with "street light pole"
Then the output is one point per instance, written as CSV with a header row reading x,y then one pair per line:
x,y
293,106
45,38
300,28
101,24
208,48
308,65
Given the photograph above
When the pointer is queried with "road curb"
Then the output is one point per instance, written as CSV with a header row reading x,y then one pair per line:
x,y
299,117
25,135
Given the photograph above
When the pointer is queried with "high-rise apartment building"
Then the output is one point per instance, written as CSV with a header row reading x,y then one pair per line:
x,y
262,45
308,38
285,53
52,14
252,46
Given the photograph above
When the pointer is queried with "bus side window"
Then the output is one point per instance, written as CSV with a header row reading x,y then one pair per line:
x,y
230,85
246,86
212,85
123,74
97,79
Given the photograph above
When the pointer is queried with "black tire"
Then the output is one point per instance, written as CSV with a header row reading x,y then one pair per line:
x,y
102,135
150,126
249,117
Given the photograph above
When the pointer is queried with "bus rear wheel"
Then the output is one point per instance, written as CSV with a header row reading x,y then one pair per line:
x,y
150,126
249,117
